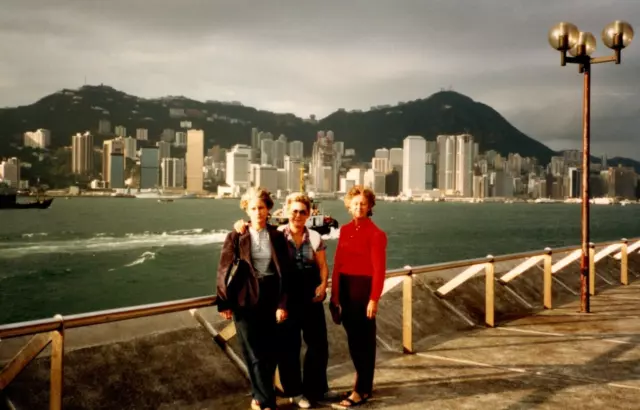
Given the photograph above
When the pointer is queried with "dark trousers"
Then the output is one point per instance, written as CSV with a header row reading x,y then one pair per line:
x,y
256,328
354,297
308,319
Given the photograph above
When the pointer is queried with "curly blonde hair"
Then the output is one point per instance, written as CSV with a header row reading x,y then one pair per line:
x,y
258,193
357,190
299,197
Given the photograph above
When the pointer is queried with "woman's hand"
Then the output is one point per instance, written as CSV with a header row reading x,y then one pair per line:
x,y
321,292
372,309
226,314
240,226
281,315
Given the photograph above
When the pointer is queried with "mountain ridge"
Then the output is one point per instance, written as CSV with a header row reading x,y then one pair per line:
x,y
69,111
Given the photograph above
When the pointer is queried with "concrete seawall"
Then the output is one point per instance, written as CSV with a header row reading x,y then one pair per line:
x,y
170,361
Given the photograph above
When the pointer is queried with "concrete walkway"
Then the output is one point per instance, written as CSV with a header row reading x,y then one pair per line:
x,y
555,359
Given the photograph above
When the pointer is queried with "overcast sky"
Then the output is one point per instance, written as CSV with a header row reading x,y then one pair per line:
x,y
319,55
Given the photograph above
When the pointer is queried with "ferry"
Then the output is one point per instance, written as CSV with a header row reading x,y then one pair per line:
x,y
318,220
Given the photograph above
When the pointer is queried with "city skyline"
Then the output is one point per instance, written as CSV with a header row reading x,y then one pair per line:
x,y
316,57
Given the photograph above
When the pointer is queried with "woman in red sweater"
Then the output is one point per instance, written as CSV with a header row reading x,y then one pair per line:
x,y
358,278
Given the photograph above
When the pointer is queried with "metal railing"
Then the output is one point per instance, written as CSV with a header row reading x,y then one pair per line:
x,y
53,330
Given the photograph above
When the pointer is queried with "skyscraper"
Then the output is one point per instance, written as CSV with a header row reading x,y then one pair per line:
x,y
113,163
195,161
413,165
82,153
455,164
464,165
296,150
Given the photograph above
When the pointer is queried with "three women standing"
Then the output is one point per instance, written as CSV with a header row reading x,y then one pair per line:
x,y
283,273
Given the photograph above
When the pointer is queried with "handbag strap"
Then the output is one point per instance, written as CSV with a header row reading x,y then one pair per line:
x,y
236,249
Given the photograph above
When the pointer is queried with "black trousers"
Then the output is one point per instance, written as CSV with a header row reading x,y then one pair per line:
x,y
307,319
354,297
256,329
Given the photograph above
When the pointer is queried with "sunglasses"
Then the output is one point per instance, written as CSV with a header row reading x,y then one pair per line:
x,y
299,212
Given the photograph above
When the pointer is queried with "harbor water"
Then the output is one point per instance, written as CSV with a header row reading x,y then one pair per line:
x,y
85,254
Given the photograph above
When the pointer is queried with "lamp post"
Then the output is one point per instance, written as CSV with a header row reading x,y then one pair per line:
x,y
565,37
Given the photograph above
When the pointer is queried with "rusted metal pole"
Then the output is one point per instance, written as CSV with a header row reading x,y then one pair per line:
x,y
586,157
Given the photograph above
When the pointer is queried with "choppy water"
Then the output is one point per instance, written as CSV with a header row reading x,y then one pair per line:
x,y
85,254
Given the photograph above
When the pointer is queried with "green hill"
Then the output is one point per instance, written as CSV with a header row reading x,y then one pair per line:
x,y
69,111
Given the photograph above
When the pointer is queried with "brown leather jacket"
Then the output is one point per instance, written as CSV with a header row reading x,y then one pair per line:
x,y
246,292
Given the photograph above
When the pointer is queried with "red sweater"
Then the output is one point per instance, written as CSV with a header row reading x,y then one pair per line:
x,y
362,250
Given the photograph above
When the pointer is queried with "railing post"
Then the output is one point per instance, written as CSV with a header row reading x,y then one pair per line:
x,y
624,262
489,302
592,269
407,314
548,299
57,366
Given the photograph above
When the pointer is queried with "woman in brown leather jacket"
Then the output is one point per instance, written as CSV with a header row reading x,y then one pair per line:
x,y
256,295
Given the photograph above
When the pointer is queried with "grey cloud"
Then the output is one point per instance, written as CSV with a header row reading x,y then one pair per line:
x,y
316,56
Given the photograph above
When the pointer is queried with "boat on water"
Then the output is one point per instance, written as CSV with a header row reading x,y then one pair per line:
x,y
9,200
318,220
157,194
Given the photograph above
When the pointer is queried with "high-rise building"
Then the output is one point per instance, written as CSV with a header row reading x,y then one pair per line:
x,y
168,135
113,163
104,127
431,146
464,165
392,183
82,154
40,138
380,164
181,139
296,150
195,161
267,177
10,172
142,134
293,167
149,167
413,165
430,178
172,172
356,175
381,153
121,131
237,173
267,151
130,147
164,149
446,163
395,158
455,164
375,181
325,156
279,151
